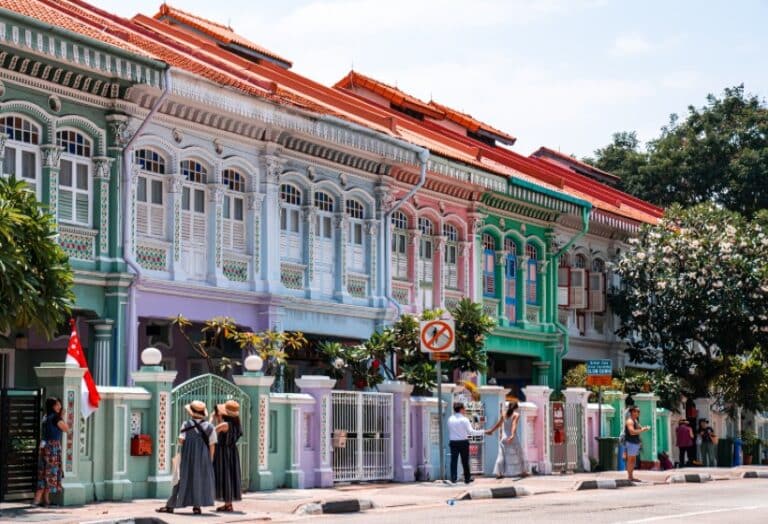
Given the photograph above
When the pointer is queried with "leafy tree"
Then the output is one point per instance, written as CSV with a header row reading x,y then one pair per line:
x,y
694,293
35,277
717,153
623,157
273,347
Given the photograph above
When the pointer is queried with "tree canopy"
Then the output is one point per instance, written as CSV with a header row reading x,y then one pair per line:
x,y
35,277
694,295
717,153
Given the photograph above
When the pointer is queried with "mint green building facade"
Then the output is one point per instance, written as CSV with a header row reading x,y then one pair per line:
x,y
61,104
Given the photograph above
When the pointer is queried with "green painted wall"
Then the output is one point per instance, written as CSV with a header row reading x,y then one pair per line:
x,y
279,441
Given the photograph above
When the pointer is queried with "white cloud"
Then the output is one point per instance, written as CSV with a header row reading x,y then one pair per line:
x,y
629,45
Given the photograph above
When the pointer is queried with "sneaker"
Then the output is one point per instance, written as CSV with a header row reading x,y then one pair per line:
x,y
471,480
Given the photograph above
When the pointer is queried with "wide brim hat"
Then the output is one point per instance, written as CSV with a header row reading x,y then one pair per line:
x,y
197,409
230,408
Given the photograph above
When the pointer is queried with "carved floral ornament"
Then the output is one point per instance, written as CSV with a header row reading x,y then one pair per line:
x,y
275,168
119,126
372,227
254,201
51,156
3,140
102,165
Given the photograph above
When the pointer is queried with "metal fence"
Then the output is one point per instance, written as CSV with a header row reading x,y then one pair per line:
x,y
362,436
213,390
20,411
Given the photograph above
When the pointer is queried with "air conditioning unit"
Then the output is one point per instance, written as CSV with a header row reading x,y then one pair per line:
x,y
578,289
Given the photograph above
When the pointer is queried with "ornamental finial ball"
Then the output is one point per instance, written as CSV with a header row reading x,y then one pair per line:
x,y
151,357
253,363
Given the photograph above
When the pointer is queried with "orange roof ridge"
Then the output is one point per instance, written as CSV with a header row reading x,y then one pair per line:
x,y
431,108
569,158
223,33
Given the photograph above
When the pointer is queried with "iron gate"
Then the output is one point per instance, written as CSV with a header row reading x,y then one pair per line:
x,y
213,390
566,436
362,436
20,411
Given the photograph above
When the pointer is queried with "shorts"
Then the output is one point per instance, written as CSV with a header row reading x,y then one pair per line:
x,y
633,449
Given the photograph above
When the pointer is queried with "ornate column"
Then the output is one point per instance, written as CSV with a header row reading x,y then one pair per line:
x,y
372,231
256,386
102,350
118,136
522,289
215,217
465,251
493,406
253,223
414,238
401,432
159,384
438,273
616,400
539,396
310,214
476,224
319,387
50,180
341,223
64,381
3,140
501,262
174,223
101,176
270,225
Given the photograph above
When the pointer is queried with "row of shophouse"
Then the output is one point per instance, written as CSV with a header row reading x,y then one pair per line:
x,y
193,172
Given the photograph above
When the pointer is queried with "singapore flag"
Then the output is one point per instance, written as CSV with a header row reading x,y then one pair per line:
x,y
90,398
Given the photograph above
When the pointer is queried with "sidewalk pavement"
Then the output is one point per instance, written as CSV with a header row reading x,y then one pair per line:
x,y
280,505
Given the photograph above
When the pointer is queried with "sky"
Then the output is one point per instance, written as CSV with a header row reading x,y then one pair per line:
x,y
562,73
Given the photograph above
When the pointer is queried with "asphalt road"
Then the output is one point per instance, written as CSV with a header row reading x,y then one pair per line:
x,y
719,502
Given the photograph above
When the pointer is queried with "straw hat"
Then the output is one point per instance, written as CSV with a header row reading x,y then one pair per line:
x,y
230,408
196,409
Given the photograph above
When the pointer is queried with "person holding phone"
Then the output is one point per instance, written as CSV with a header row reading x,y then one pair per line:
x,y
633,430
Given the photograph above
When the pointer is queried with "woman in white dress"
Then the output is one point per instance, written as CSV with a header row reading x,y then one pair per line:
x,y
510,461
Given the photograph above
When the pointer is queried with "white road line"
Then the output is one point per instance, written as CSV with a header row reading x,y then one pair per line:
x,y
694,514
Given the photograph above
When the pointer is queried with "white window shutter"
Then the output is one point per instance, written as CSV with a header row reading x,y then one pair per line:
x,y
142,219
597,292
65,205
563,285
156,224
578,295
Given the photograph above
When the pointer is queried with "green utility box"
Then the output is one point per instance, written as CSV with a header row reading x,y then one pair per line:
x,y
724,452
608,451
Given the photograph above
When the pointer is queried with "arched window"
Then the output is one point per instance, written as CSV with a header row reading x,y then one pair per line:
x,y
580,261
489,265
325,243
150,213
290,222
531,280
194,223
510,280
451,235
399,245
150,161
233,210
355,250
75,173
22,152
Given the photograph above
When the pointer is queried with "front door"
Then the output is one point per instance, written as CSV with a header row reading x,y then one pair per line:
x,y
325,253
193,232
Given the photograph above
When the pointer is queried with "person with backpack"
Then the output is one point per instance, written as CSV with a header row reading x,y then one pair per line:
x,y
708,443
632,432
197,440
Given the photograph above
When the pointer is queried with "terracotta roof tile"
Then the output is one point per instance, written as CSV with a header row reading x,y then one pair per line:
x,y
221,32
556,156
473,124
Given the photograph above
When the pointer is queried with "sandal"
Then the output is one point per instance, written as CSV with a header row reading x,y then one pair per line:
x,y
197,511
164,509
226,508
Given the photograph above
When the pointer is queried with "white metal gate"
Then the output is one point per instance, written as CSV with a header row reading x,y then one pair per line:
x,y
362,436
567,423
213,390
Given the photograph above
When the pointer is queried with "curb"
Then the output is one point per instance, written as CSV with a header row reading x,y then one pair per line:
x,y
689,477
604,484
335,507
755,475
127,520
507,492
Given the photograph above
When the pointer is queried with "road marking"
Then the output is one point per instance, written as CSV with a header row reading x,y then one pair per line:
x,y
695,514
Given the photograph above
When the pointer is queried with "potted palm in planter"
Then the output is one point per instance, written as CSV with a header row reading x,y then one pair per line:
x,y
750,446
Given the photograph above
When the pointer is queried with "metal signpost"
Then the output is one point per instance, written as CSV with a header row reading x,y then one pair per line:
x,y
599,373
438,339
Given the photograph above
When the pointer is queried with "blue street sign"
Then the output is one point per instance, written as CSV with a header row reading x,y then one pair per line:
x,y
599,367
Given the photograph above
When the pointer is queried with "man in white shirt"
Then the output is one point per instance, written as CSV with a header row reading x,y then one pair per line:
x,y
459,431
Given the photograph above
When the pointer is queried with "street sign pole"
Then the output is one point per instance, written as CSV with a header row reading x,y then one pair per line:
x,y
439,368
600,411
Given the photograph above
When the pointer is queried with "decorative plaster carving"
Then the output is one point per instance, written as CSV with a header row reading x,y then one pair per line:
x,y
218,146
102,165
118,125
343,179
178,136
176,183
274,169
51,155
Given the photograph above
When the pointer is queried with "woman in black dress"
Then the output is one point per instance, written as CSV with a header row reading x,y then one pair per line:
x,y
226,461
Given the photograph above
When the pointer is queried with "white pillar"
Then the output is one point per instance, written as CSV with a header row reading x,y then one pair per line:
x,y
539,396
580,396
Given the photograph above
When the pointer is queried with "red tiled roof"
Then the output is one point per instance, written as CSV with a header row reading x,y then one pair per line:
x,y
221,32
431,109
556,156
